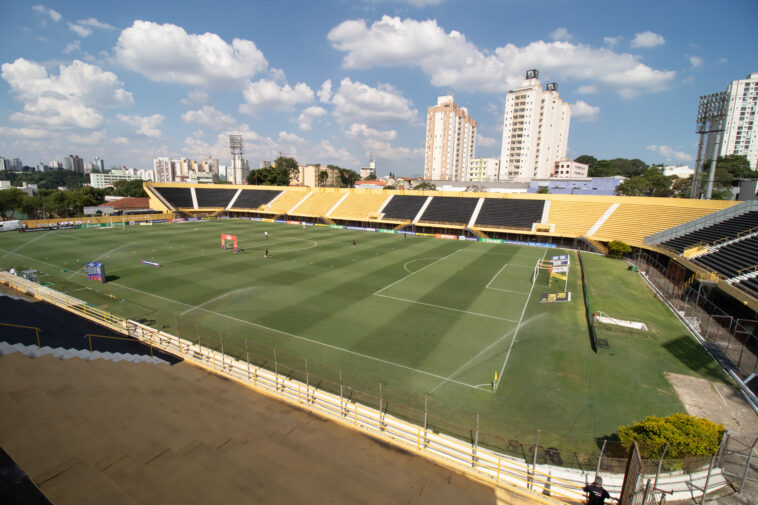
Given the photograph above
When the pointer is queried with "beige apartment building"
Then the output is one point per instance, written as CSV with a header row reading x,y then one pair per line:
x,y
535,130
450,141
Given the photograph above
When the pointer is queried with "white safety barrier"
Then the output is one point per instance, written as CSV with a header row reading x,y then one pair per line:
x,y
544,483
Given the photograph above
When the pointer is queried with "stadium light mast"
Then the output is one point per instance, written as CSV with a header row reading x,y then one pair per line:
x,y
711,116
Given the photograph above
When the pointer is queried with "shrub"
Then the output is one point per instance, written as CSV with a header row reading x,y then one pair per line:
x,y
686,435
616,248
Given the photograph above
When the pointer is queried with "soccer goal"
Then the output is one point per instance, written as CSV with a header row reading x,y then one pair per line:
x,y
555,269
226,239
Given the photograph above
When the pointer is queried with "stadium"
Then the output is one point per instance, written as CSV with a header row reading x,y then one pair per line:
x,y
487,332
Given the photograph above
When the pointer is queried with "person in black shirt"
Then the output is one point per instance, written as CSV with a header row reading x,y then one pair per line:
x,y
596,494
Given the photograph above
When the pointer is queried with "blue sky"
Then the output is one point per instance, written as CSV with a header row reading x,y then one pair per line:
x,y
332,81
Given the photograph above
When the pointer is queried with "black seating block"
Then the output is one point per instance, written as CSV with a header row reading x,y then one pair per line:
x,y
177,197
254,198
404,206
510,213
213,197
449,209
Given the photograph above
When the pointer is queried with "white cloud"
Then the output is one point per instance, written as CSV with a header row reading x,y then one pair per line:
x,y
266,94
84,27
647,40
696,61
146,125
611,41
167,53
723,60
582,111
71,47
414,3
325,93
55,16
71,99
482,141
451,61
24,133
291,138
80,30
196,97
670,155
358,102
211,116
561,33
379,143
587,90
306,118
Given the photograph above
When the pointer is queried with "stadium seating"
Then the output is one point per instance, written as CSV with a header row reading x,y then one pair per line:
x,y
318,204
728,229
575,218
285,202
254,198
176,197
632,222
213,198
510,213
404,207
358,206
730,259
447,209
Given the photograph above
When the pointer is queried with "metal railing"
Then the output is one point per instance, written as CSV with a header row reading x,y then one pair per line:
x,y
532,476
36,330
702,222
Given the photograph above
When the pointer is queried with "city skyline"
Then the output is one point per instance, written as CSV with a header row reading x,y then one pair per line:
x,y
341,80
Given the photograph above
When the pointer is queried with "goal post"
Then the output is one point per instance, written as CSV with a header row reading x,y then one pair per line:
x,y
225,238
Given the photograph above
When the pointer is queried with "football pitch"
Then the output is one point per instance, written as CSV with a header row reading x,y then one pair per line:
x,y
414,319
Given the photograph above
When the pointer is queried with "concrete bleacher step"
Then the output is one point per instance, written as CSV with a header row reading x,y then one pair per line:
x,y
61,353
146,486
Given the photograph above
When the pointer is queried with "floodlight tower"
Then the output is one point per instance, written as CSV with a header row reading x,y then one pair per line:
x,y
711,116
239,165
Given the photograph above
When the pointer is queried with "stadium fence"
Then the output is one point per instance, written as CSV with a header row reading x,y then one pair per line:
x,y
547,475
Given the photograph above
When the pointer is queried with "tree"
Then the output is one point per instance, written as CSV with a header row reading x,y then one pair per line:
x,y
543,190
371,176
269,176
131,188
617,248
633,187
323,176
348,177
11,201
473,188
586,159
685,434
425,186
288,164
389,186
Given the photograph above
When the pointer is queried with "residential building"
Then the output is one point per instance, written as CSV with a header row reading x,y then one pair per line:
x,y
163,169
98,180
741,126
483,170
74,163
567,168
450,140
310,176
535,130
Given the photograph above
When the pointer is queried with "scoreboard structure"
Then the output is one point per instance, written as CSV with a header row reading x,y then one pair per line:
x,y
96,271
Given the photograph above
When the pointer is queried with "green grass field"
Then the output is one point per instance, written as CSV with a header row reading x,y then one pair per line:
x,y
417,315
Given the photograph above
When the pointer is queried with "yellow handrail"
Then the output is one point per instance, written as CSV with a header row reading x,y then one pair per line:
x,y
743,271
89,336
36,330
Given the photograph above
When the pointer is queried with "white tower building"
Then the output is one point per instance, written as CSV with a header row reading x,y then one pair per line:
x,y
450,141
741,128
535,130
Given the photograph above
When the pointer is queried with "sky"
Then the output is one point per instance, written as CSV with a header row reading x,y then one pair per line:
x,y
336,81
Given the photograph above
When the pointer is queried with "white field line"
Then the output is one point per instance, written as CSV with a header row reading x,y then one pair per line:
x,y
43,234
488,286
476,356
405,267
518,326
447,308
297,337
417,271
234,291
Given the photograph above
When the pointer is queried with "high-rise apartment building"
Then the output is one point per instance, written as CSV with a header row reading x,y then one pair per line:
x,y
535,130
162,167
741,125
450,141
74,163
